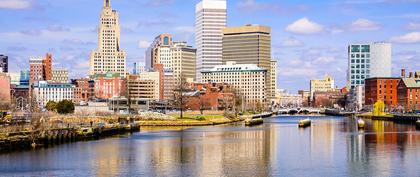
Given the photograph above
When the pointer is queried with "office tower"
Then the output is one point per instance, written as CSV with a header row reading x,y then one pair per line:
x,y
367,61
109,57
4,64
40,68
178,57
159,52
210,20
183,62
250,44
60,75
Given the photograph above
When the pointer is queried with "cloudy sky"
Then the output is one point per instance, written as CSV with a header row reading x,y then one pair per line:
x,y
309,38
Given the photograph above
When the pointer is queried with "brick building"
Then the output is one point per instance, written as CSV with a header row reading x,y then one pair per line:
x,y
382,88
210,96
409,93
40,68
109,86
84,90
5,97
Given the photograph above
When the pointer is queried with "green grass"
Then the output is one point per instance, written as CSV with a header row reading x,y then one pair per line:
x,y
191,117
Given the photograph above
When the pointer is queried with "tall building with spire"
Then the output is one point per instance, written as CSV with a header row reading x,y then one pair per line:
x,y
108,58
210,20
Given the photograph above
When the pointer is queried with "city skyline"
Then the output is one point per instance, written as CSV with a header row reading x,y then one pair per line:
x,y
306,42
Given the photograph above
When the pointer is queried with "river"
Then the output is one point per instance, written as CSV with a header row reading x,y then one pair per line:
x,y
332,146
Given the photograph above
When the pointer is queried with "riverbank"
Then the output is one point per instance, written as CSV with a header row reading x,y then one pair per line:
x,y
394,118
25,140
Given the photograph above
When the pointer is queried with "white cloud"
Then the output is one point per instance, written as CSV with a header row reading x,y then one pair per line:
x,y
362,24
324,59
143,44
413,26
15,4
291,42
409,38
305,26
185,29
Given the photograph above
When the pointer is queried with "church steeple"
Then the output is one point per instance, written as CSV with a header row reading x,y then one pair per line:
x,y
107,3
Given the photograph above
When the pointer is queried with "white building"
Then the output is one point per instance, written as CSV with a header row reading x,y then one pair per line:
x,y
368,60
247,79
273,79
159,52
60,75
138,68
109,57
210,20
45,91
286,99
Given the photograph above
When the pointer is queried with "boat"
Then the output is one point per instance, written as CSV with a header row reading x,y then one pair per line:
x,y
360,123
252,122
305,123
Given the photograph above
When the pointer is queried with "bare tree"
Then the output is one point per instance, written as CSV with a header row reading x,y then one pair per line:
x,y
179,95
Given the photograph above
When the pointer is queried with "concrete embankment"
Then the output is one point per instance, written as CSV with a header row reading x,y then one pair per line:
x,y
35,139
186,123
394,118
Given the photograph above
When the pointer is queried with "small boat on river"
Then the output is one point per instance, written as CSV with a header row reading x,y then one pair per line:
x,y
252,122
305,123
360,123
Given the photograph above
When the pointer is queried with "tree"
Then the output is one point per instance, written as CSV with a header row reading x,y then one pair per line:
x,y
51,106
65,107
204,104
179,96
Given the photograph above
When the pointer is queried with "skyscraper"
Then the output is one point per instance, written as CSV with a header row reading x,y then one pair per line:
x,y
367,61
210,20
251,44
4,60
108,57
159,52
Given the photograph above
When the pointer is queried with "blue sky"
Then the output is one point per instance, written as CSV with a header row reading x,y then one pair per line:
x,y
309,38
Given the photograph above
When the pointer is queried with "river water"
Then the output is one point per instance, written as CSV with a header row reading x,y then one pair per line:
x,y
332,146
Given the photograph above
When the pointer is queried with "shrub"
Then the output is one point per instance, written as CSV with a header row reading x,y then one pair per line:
x,y
200,118
65,107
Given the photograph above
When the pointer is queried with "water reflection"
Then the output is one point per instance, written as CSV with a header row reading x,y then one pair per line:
x,y
331,146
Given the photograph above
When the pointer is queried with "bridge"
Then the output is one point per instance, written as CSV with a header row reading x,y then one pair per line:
x,y
299,111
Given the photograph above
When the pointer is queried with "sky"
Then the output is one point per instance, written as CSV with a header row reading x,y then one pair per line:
x,y
309,38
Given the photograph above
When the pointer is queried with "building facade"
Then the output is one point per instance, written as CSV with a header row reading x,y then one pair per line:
x,y
5,97
84,90
183,62
384,89
409,92
273,73
250,44
323,85
4,64
143,88
60,75
44,92
109,57
366,61
40,68
211,18
138,68
159,52
249,80
109,85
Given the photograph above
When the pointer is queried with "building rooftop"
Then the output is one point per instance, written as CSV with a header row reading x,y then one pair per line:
x,y
247,29
232,67
411,82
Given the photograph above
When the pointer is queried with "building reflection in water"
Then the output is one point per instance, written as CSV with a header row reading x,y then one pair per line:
x,y
212,152
372,152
